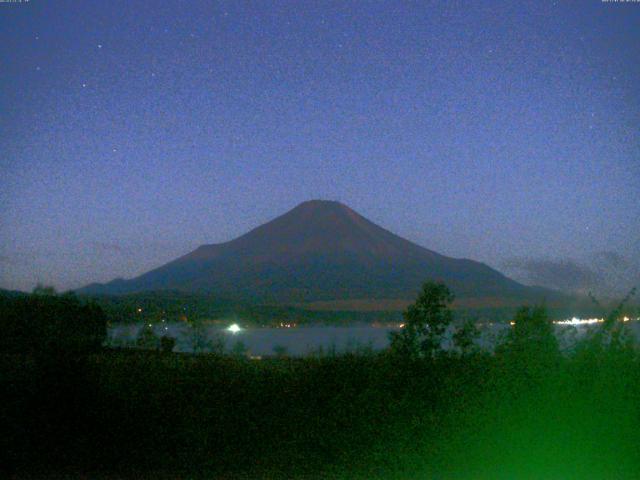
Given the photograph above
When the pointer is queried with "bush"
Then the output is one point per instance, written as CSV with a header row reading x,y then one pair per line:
x,y
50,323
167,344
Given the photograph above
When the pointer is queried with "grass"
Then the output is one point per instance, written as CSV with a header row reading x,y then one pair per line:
x,y
146,414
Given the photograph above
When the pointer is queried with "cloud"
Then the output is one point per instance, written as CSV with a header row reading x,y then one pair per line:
x,y
604,273
620,272
612,259
562,274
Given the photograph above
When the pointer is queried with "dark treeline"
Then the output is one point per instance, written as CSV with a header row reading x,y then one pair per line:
x,y
174,306
45,323
180,306
414,411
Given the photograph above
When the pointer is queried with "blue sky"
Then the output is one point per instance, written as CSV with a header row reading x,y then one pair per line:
x,y
133,132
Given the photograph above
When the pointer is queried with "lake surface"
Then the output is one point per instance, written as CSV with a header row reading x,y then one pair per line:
x,y
316,339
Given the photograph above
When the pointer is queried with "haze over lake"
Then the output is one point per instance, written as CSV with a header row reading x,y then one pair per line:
x,y
301,341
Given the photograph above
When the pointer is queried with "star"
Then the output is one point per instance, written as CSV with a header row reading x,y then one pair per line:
x,y
84,85
99,45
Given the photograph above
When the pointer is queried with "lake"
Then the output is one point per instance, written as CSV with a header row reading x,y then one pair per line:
x,y
308,340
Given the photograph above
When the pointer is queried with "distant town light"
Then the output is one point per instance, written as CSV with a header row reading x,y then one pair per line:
x,y
235,328
579,321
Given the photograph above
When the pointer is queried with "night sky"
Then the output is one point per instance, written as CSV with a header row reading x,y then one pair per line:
x,y
133,131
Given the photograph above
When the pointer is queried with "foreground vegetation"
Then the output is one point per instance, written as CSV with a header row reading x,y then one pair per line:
x,y
410,412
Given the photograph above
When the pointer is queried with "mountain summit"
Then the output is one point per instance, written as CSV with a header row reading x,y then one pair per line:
x,y
320,250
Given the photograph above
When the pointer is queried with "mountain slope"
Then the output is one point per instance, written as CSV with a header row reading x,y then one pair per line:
x,y
320,250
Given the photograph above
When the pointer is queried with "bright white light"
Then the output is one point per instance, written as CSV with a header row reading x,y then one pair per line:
x,y
580,321
235,328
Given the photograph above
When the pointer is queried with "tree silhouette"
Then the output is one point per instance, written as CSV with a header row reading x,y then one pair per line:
x,y
167,344
41,289
147,337
280,350
465,336
425,321
239,349
531,343
44,322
